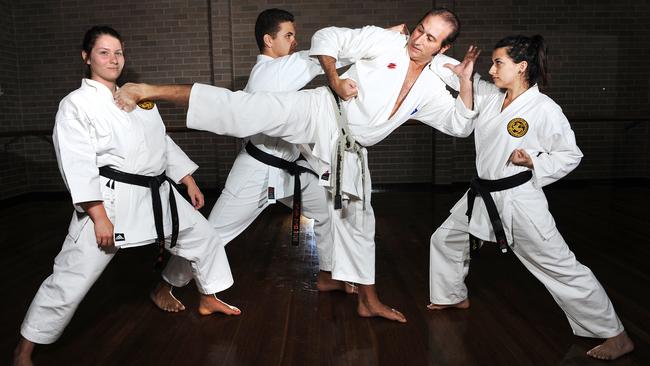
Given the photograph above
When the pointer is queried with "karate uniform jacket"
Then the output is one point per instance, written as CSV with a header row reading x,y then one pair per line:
x,y
533,122
90,132
287,73
381,62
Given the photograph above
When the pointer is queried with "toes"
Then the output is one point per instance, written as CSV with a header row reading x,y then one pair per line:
x,y
598,353
398,316
233,310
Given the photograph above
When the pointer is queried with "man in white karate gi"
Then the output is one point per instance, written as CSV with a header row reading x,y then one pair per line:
x,y
389,84
253,185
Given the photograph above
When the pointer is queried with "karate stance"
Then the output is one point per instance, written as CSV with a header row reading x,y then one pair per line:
x,y
98,147
253,184
390,83
523,143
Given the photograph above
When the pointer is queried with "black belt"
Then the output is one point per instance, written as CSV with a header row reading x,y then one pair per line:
x,y
295,170
483,187
153,183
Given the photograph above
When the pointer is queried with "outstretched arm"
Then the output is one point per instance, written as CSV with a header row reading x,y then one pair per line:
x,y
128,96
464,71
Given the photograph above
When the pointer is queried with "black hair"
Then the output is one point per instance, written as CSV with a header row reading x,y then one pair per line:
x,y
268,22
533,50
91,37
451,18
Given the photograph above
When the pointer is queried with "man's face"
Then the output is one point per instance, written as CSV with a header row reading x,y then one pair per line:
x,y
426,39
284,42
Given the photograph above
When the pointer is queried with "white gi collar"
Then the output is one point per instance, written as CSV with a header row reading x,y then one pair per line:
x,y
263,58
100,88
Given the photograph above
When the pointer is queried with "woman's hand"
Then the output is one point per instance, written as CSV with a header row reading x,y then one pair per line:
x,y
104,233
103,225
465,69
520,157
193,191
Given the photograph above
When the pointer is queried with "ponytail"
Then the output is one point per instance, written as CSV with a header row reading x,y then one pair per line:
x,y
533,50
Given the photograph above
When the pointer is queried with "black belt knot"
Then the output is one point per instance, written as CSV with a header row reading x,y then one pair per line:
x,y
153,183
483,187
293,169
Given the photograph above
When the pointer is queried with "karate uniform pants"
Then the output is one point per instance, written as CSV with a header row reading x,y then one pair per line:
x,y
573,286
307,116
244,197
353,228
81,262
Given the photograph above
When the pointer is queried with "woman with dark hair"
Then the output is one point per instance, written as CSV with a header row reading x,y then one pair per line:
x,y
523,143
119,167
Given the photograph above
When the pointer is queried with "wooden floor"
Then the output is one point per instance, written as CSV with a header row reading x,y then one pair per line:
x,y
285,321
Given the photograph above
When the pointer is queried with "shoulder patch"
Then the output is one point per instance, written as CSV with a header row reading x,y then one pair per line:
x,y
146,104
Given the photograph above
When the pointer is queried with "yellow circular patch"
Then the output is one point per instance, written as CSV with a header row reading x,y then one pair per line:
x,y
146,104
517,127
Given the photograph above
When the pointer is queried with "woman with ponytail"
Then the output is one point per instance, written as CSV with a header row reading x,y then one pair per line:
x,y
523,143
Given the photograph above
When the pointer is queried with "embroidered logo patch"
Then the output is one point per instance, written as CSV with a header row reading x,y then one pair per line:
x,y
414,111
517,127
391,65
119,237
146,104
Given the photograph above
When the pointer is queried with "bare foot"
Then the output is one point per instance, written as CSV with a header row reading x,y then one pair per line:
x,y
351,288
461,305
23,353
209,304
369,305
164,299
612,348
324,283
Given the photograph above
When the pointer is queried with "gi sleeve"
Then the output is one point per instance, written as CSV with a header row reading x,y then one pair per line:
x,y
560,153
76,154
353,44
445,114
178,163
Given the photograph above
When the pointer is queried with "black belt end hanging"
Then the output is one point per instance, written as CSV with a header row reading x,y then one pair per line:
x,y
153,183
160,258
338,201
474,246
294,170
483,187
297,210
503,245
295,227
